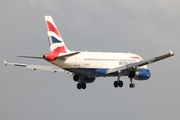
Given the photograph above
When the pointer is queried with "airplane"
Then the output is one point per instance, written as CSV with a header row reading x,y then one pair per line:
x,y
86,66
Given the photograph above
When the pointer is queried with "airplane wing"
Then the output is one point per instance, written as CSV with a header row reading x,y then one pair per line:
x,y
141,63
53,69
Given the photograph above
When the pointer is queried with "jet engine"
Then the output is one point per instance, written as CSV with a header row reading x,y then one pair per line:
x,y
140,74
84,79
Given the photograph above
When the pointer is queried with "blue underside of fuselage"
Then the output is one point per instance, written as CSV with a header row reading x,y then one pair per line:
x,y
93,71
86,71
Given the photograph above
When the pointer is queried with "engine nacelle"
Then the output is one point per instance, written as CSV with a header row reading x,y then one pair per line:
x,y
140,74
84,79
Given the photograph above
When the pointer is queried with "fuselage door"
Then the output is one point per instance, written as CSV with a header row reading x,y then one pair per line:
x,y
77,61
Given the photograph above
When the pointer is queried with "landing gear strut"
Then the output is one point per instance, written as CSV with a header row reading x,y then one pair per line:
x,y
118,82
131,85
81,86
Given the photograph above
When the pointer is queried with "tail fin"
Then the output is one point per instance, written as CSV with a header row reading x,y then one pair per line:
x,y
55,40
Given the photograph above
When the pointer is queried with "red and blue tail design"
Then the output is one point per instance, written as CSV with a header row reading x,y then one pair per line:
x,y
55,40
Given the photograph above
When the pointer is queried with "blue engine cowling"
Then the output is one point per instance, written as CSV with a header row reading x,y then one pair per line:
x,y
140,74
84,79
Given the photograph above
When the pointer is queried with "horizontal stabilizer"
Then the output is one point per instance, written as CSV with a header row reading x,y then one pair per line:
x,y
62,55
31,57
65,55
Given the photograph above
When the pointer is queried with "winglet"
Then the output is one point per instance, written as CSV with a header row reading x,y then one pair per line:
x,y
171,53
5,63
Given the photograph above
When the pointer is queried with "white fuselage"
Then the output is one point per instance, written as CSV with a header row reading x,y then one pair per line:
x,y
97,60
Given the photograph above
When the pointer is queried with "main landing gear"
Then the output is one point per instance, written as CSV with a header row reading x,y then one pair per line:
x,y
81,86
131,85
118,83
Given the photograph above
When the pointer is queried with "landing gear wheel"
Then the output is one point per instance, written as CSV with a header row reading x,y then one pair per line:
x,y
131,85
83,85
79,86
116,84
120,83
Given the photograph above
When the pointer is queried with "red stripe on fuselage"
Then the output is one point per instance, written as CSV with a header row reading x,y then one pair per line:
x,y
135,57
51,28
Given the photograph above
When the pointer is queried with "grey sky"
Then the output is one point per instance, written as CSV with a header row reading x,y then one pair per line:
x,y
145,27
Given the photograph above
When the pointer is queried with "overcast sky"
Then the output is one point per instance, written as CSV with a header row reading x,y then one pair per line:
x,y
145,27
